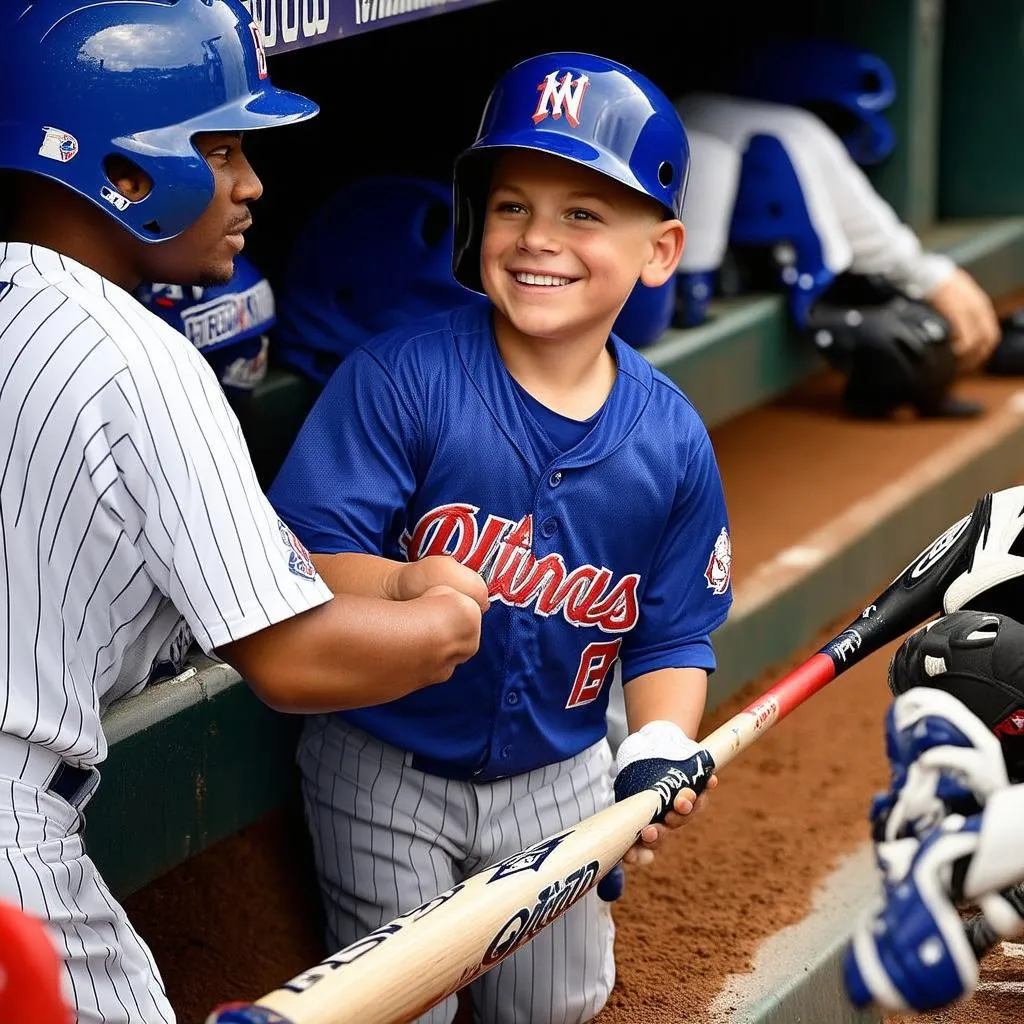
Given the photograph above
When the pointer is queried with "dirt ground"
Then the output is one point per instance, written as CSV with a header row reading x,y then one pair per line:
x,y
241,917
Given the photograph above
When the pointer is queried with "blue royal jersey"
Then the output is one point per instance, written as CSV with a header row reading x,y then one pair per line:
x,y
616,550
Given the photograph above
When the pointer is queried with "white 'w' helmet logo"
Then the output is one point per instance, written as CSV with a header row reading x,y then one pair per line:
x,y
558,97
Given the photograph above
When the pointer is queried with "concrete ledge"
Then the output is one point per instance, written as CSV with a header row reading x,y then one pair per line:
x,y
797,976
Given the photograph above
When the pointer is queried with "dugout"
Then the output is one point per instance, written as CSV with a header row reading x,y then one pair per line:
x,y
401,84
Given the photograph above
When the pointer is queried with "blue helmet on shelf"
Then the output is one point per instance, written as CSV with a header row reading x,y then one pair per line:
x,y
581,107
771,210
647,314
228,323
849,88
376,255
136,79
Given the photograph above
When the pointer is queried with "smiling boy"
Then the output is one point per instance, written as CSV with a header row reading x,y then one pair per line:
x,y
522,436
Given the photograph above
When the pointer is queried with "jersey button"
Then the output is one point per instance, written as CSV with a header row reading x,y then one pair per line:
x,y
556,478
512,697
549,527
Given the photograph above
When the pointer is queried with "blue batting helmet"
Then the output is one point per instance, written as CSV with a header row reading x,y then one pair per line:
x,y
137,79
229,323
847,87
376,255
647,314
583,108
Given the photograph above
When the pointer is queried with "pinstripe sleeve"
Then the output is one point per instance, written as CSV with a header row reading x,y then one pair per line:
x,y
210,539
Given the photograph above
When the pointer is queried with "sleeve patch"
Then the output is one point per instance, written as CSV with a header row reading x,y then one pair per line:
x,y
299,560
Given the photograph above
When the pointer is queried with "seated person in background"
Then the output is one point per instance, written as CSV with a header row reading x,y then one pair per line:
x,y
521,436
781,191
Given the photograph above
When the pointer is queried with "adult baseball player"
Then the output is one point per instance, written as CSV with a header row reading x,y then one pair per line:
x,y
131,520
527,441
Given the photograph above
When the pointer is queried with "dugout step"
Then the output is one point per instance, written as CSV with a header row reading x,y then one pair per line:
x,y
197,758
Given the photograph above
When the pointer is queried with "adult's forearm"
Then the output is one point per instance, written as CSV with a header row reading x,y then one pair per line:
x,y
357,651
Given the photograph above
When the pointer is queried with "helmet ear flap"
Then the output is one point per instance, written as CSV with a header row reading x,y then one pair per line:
x,y
472,185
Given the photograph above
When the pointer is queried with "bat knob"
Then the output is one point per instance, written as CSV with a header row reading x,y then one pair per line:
x,y
244,1013
612,886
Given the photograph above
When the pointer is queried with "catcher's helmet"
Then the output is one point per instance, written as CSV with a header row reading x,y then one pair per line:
x,y
895,350
583,108
847,87
978,657
135,78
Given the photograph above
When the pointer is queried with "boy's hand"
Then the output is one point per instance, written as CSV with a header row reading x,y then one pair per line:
x,y
686,805
413,579
663,741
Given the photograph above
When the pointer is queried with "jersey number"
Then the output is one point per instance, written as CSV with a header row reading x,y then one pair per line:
x,y
596,662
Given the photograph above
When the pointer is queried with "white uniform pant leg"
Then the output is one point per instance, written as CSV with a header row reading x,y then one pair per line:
x,y
386,837
109,975
565,974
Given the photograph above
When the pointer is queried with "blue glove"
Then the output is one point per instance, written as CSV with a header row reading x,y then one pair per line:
x,y
912,952
943,760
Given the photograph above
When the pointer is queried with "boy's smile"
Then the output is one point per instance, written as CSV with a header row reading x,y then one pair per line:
x,y
563,246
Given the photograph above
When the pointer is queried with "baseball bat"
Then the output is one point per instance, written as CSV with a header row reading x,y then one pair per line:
x,y
405,967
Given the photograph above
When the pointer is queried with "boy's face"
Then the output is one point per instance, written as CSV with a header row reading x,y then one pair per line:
x,y
563,245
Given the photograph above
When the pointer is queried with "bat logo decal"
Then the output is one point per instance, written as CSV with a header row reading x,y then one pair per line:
x,y
552,901
938,549
529,859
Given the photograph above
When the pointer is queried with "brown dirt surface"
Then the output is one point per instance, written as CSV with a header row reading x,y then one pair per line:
x,y
241,917
783,814
998,1000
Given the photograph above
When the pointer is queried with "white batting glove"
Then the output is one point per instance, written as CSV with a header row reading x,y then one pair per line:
x,y
643,759
660,739
646,755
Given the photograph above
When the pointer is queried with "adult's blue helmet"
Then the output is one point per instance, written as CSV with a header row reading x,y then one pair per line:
x,y
376,255
228,323
583,108
136,79
847,87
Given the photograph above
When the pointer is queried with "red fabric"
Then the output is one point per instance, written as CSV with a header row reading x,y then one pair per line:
x,y
29,972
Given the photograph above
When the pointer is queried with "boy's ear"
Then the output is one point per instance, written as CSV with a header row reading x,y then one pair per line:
x,y
668,240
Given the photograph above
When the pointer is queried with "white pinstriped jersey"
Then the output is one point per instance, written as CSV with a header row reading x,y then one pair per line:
x,y
131,515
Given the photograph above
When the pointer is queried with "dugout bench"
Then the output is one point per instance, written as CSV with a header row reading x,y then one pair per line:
x,y
197,758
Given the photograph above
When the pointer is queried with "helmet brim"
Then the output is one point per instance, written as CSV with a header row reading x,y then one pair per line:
x,y
269,108
578,151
